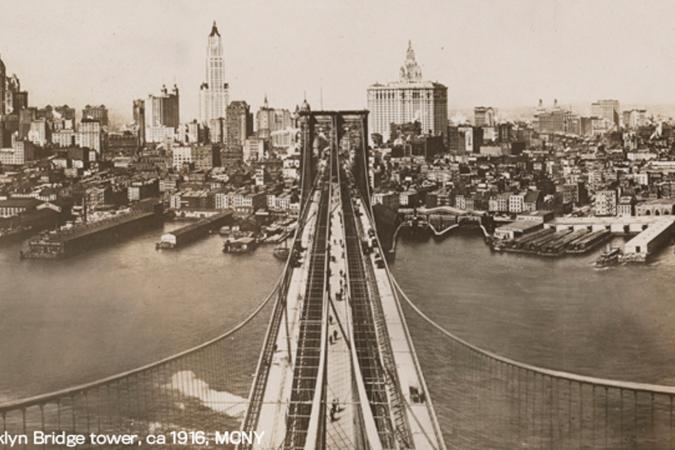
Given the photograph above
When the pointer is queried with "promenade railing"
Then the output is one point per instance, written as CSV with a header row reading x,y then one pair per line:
x,y
487,401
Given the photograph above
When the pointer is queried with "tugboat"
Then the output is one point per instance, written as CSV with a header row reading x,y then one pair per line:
x,y
610,257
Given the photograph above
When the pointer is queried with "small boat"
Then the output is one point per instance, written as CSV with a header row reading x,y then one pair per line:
x,y
281,253
610,257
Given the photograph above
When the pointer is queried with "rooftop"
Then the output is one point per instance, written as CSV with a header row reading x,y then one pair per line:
x,y
520,225
214,30
19,203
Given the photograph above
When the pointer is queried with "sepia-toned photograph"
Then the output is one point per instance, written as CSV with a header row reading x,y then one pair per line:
x,y
337,225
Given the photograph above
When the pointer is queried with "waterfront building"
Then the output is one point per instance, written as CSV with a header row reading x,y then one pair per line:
x,y
408,199
516,229
241,201
138,190
626,206
98,113
656,207
516,203
532,201
439,197
605,203
14,206
388,199
499,203
607,109
213,92
407,100
280,202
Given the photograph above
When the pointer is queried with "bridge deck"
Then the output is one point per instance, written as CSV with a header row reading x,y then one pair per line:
x,y
309,356
343,373
278,390
340,429
421,417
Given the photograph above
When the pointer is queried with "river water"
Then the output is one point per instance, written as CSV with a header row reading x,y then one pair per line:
x,y
68,322
120,307
558,313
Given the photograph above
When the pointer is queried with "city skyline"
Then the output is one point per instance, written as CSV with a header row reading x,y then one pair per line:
x,y
369,225
506,55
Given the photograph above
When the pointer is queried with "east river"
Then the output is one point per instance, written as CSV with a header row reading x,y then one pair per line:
x,y
114,309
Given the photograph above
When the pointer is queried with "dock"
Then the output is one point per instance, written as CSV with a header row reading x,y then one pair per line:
x,y
194,231
82,237
649,241
552,242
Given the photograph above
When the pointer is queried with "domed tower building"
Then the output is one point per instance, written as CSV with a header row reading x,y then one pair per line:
x,y
407,100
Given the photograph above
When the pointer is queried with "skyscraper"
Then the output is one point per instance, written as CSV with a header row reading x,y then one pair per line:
x,y
408,100
484,116
12,98
269,120
213,93
3,76
239,126
162,115
163,109
139,119
607,109
99,113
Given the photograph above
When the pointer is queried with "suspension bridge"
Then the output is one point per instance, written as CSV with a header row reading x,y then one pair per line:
x,y
336,365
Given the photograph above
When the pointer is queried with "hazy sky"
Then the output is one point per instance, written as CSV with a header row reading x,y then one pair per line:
x,y
501,53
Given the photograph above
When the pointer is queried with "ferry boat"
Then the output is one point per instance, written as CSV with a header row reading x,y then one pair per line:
x,y
610,257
